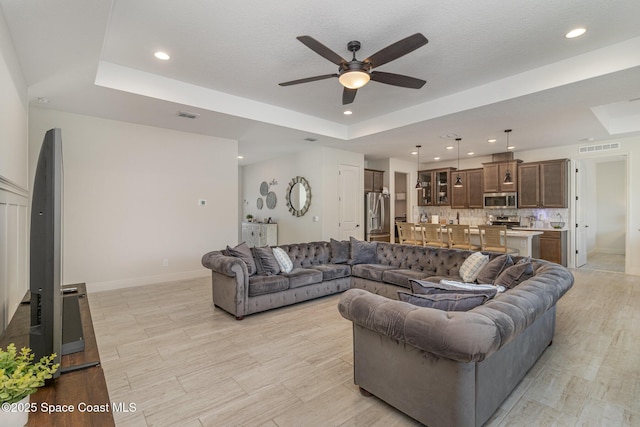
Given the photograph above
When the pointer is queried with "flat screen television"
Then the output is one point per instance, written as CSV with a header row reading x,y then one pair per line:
x,y
45,262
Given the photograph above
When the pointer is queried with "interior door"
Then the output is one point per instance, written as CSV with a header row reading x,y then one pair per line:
x,y
350,202
580,226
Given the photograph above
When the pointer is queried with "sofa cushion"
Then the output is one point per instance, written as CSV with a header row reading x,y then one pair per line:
x,y
425,287
261,284
515,275
471,267
340,251
302,277
333,271
283,260
493,268
265,260
446,302
403,277
243,252
371,271
362,252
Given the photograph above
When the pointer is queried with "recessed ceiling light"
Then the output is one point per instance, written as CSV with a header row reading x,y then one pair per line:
x,y
470,153
510,147
241,157
348,113
436,158
41,100
491,141
449,147
413,153
577,32
162,55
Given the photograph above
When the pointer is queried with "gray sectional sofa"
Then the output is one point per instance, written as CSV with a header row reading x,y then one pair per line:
x,y
443,368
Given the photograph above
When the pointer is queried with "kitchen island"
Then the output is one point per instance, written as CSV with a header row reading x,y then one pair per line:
x,y
526,242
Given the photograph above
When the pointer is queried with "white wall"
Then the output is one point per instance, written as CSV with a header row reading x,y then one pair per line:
x,y
319,166
14,194
611,207
131,199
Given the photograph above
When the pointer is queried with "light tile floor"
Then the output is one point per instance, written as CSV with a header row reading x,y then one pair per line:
x,y
165,348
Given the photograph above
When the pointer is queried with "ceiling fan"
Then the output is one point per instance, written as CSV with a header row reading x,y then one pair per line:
x,y
354,74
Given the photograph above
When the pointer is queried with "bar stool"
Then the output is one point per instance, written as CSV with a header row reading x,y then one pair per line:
x,y
493,238
460,237
406,233
432,236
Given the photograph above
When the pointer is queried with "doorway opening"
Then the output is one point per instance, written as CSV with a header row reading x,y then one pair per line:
x,y
401,182
601,207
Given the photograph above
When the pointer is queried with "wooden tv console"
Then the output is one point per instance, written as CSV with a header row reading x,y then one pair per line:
x,y
78,398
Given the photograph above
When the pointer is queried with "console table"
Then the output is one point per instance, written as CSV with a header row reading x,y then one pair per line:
x,y
83,389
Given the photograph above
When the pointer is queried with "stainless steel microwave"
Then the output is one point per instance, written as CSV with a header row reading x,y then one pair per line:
x,y
500,200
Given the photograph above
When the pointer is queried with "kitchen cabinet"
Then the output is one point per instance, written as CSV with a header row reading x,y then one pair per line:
x,y
543,184
436,187
373,180
494,173
469,196
256,235
553,246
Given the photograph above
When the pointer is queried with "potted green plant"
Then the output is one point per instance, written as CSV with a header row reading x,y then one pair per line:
x,y
20,377
249,218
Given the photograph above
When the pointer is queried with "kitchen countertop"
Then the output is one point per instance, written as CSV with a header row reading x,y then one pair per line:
x,y
542,228
515,232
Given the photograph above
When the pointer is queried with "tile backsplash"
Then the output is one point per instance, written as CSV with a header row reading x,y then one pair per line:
x,y
479,216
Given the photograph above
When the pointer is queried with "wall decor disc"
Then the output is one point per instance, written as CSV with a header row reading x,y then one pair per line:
x,y
271,200
259,203
264,188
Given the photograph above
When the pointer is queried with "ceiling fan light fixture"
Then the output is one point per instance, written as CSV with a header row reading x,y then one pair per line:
x,y
354,79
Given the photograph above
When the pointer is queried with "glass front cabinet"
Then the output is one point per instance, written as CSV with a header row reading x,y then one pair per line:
x,y
436,187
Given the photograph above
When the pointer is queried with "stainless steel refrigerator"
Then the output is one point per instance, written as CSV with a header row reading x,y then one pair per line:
x,y
376,208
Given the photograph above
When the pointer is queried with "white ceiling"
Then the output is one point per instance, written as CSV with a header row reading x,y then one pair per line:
x,y
489,66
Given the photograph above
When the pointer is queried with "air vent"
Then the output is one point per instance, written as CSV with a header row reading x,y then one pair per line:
x,y
597,148
188,115
310,139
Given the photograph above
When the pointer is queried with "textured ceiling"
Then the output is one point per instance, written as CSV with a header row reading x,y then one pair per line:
x,y
488,65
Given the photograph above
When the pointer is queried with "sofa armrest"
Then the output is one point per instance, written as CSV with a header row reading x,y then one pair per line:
x,y
461,336
227,265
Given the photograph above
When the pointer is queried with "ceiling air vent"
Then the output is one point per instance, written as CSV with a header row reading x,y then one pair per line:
x,y
597,148
188,115
310,139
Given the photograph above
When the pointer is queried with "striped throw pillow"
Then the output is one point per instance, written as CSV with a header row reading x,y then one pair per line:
x,y
283,260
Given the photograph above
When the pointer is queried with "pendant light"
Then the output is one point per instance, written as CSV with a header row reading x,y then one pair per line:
x,y
508,179
418,184
458,182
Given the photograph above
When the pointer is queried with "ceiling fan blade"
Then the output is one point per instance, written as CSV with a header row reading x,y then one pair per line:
x,y
308,79
397,80
348,95
396,50
322,50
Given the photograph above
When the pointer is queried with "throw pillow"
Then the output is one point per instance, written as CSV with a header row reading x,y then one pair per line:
x,y
446,302
363,252
283,260
471,266
243,252
422,287
266,262
493,268
515,275
339,251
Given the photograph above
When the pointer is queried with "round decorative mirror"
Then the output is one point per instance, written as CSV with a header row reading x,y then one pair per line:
x,y
298,196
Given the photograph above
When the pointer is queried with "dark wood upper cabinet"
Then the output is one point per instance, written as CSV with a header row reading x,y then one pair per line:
x,y
436,187
373,180
469,196
494,174
543,184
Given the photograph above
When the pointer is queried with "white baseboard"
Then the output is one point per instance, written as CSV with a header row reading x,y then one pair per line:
x,y
148,280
